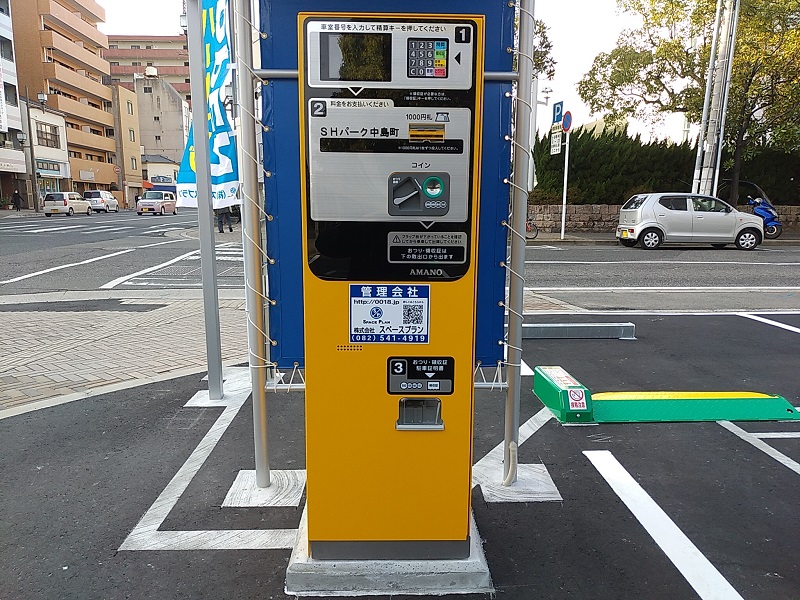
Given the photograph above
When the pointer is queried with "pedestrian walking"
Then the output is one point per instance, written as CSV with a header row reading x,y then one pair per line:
x,y
224,214
16,200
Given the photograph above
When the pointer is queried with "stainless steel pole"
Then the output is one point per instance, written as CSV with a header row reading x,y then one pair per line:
x,y
205,214
251,237
519,210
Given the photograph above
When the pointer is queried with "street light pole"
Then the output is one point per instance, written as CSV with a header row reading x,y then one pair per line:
x,y
33,177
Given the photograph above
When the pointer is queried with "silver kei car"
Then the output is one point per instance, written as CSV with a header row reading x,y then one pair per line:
x,y
674,218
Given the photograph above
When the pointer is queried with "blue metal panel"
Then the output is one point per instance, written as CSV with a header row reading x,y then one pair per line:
x,y
282,164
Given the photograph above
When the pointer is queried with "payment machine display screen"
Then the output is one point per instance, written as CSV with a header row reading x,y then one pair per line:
x,y
355,57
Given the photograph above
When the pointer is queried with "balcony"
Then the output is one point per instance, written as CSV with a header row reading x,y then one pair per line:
x,y
89,8
71,53
77,137
80,111
162,71
178,53
91,171
59,17
81,84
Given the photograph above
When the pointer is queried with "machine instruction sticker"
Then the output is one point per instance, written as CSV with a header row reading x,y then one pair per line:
x,y
577,400
389,313
414,247
421,374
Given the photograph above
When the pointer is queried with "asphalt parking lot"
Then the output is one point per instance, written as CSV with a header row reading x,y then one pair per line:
x,y
77,478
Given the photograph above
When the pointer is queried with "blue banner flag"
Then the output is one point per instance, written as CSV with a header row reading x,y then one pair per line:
x,y
222,143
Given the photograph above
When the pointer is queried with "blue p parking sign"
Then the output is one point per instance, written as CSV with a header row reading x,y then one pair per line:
x,y
558,112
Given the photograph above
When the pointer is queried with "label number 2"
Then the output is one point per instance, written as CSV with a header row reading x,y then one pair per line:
x,y
319,108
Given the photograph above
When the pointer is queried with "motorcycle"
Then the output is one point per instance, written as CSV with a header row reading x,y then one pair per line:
x,y
764,209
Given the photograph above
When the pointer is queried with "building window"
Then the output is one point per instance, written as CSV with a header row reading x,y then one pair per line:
x,y
73,154
134,163
135,47
130,107
187,80
157,119
114,64
109,132
148,47
11,94
47,135
131,135
158,138
113,46
136,63
186,63
114,80
147,90
149,64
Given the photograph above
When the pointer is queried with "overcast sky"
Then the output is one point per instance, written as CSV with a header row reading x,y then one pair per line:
x,y
579,29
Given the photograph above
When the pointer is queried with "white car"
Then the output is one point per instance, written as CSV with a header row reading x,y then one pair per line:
x,y
66,203
156,203
674,217
102,200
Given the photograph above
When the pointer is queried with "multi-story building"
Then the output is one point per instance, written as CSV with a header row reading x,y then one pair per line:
x,y
12,158
160,172
129,159
130,55
59,53
163,116
48,133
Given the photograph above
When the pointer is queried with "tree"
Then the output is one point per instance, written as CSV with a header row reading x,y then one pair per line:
x,y
660,68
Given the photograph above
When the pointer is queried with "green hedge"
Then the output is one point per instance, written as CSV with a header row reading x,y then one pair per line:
x,y
611,167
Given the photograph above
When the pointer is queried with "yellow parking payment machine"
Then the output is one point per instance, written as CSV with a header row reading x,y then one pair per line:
x,y
390,108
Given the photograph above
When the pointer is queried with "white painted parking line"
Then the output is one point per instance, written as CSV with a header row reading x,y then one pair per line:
x,y
146,536
763,446
777,435
770,322
67,266
112,284
106,229
698,571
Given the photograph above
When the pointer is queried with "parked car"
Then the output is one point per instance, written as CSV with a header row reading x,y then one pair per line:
x,y
157,203
674,218
66,203
102,200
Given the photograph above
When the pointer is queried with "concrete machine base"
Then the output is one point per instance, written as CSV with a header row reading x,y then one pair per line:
x,y
308,577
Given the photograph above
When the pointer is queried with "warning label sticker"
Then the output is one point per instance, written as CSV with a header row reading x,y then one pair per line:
x,y
419,247
577,400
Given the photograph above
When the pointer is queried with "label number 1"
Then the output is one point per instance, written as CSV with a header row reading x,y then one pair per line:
x,y
463,35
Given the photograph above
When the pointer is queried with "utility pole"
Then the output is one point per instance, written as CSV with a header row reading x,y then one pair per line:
x,y
33,177
712,127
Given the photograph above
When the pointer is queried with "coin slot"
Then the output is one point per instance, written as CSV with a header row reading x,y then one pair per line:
x,y
420,414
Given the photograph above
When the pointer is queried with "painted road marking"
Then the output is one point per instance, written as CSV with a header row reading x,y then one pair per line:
x,y
692,564
763,446
112,284
770,322
59,228
633,263
778,435
106,229
617,289
67,266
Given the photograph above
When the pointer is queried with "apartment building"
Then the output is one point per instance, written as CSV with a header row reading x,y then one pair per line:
x,y
130,55
163,116
129,149
12,156
59,53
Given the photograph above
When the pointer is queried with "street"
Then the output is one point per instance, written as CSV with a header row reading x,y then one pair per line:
x,y
103,349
